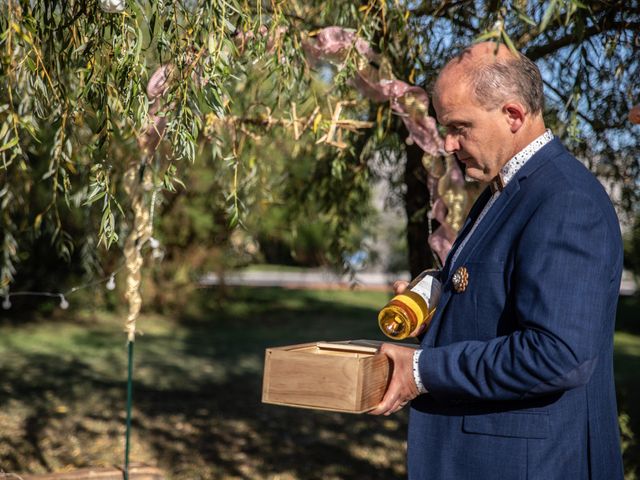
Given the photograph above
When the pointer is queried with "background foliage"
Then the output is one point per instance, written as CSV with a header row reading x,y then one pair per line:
x,y
74,108
232,179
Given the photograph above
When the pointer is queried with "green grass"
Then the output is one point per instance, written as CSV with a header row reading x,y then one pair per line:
x,y
197,398
627,374
198,380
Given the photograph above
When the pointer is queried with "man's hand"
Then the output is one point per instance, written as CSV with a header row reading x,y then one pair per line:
x,y
399,286
402,388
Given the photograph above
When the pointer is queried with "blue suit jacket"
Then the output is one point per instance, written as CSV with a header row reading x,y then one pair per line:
x,y
519,366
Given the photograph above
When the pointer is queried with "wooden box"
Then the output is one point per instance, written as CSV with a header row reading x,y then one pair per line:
x,y
349,376
136,472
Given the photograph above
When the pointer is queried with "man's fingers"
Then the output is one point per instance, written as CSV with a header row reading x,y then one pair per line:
x,y
399,286
402,388
397,406
389,406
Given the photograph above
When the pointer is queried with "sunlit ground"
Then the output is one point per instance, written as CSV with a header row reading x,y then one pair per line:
x,y
198,380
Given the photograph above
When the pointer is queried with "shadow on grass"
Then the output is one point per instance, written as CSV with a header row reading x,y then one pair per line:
x,y
197,395
628,316
627,368
197,408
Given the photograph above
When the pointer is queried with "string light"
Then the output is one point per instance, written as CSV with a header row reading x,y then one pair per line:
x,y
157,252
64,304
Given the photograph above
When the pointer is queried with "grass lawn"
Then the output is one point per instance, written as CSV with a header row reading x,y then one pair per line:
x,y
627,374
197,409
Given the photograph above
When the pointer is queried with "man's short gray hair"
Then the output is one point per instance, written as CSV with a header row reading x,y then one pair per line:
x,y
517,78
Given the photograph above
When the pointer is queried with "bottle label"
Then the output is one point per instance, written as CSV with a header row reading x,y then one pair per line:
x,y
428,287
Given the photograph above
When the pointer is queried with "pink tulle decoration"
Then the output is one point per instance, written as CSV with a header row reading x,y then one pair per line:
x,y
158,83
439,210
457,176
408,101
241,39
333,43
156,87
441,241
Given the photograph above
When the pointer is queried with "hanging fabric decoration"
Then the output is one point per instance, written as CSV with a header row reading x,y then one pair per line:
x,y
138,181
241,39
157,88
452,199
157,122
333,44
375,80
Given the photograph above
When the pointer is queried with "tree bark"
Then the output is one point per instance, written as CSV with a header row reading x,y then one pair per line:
x,y
417,208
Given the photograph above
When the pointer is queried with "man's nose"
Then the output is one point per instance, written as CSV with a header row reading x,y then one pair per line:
x,y
451,144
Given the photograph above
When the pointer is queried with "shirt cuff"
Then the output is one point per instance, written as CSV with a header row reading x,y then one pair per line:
x,y
416,372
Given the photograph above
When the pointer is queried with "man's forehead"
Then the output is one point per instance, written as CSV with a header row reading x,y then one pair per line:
x,y
451,89
453,101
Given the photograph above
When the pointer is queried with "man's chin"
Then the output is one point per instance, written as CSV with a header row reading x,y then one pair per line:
x,y
476,175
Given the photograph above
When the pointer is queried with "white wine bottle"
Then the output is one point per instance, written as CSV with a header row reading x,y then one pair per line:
x,y
408,314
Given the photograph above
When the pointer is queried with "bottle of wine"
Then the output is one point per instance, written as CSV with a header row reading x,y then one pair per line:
x,y
409,313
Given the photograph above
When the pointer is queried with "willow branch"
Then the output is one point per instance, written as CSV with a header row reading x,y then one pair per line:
x,y
538,51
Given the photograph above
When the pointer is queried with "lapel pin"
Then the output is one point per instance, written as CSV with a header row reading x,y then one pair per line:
x,y
460,279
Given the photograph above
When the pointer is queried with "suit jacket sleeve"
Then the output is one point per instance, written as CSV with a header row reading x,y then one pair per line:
x,y
561,285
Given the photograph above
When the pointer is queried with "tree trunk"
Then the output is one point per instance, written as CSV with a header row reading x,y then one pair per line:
x,y
417,208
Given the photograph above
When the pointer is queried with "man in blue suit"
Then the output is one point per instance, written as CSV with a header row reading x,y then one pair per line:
x,y
514,377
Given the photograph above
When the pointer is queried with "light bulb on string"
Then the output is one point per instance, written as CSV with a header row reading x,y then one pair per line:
x,y
113,6
63,302
111,284
6,303
157,253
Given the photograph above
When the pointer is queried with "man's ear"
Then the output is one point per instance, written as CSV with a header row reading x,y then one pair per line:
x,y
515,114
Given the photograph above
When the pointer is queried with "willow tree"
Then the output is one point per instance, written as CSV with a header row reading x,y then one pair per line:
x,y
107,104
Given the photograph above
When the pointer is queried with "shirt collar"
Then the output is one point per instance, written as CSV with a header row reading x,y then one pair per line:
x,y
509,170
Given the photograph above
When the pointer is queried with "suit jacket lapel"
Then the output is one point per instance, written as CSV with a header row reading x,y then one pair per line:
x,y
487,222
553,148
548,151
485,226
474,213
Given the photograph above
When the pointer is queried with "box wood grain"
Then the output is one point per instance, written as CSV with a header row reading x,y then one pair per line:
x,y
136,472
349,376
